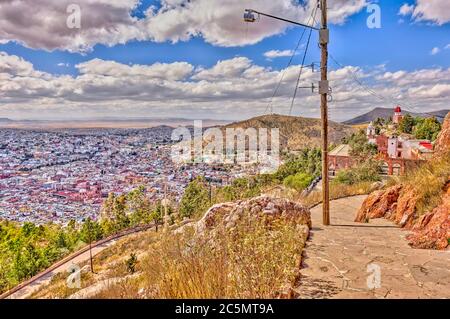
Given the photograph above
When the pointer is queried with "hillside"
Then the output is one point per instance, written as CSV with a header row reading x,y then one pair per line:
x,y
296,133
387,112
242,249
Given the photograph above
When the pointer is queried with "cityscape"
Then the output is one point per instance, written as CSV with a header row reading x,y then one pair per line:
x,y
64,175
226,157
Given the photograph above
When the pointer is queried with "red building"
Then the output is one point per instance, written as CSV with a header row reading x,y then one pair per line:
x,y
397,115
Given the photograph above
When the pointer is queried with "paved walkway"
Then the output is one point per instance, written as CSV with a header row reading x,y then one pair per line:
x,y
340,259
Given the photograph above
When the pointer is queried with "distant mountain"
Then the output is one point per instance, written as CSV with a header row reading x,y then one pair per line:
x,y
105,123
296,133
388,112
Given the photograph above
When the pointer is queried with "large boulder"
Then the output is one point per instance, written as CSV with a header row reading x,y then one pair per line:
x,y
379,204
263,207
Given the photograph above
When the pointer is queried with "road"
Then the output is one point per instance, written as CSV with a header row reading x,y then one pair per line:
x,y
340,259
26,289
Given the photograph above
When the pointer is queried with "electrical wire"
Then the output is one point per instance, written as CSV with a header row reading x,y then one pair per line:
x,y
303,63
269,105
389,99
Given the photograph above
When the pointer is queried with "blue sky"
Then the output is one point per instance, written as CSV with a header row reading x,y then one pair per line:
x,y
403,43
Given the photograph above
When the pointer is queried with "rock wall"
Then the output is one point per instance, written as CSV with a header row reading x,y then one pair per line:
x,y
398,203
442,144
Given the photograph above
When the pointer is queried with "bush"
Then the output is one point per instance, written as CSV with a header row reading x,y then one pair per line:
x,y
368,171
131,263
251,261
299,181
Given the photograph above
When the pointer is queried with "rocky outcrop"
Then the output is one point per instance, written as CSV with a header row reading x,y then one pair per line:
x,y
432,230
442,144
266,208
379,204
397,203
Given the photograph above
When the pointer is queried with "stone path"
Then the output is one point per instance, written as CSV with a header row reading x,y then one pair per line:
x,y
343,260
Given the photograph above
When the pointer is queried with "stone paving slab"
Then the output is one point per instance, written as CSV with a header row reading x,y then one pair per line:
x,y
340,258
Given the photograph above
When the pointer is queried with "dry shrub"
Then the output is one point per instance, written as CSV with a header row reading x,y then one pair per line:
x,y
255,259
337,191
429,182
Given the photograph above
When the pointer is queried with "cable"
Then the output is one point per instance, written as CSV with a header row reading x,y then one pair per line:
x,y
269,105
381,97
302,65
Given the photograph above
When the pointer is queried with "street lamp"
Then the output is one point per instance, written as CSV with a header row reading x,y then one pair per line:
x,y
249,16
324,90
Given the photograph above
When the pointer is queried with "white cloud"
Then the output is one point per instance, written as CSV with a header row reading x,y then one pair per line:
x,y
272,54
435,51
406,9
235,88
110,22
436,11
447,47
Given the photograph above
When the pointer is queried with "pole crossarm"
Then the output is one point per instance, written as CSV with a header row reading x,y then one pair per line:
x,y
282,19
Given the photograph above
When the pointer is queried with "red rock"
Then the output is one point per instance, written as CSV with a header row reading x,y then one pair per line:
x,y
432,230
442,144
378,204
398,203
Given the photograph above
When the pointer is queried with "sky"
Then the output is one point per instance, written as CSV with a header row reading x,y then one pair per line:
x,y
198,59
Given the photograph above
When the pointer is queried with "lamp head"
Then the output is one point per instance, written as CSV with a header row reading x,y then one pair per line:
x,y
249,16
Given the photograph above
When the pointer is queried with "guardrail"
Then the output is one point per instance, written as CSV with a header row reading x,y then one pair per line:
x,y
74,255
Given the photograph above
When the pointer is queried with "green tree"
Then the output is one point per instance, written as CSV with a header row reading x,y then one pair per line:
x,y
428,129
407,123
91,231
195,200
367,171
360,147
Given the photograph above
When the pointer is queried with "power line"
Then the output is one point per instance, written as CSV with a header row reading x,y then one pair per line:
x,y
269,105
389,99
302,65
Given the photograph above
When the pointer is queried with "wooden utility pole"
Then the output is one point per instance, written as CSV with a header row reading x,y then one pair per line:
x,y
90,247
323,90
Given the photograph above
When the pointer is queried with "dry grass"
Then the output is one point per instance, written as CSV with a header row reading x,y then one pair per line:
x,y
429,181
337,191
252,260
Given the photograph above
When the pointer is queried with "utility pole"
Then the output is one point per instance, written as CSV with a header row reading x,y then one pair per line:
x,y
90,246
323,90
166,215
